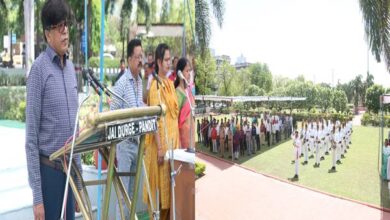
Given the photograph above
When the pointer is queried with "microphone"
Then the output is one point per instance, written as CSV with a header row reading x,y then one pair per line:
x,y
181,76
157,79
88,78
97,82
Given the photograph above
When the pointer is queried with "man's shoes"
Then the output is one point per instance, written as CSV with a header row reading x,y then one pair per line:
x,y
342,156
316,165
332,170
304,163
326,153
338,162
322,158
311,157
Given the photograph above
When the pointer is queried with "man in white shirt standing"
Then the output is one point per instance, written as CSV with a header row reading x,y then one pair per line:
x,y
247,131
323,144
317,138
338,139
312,137
268,132
297,151
333,141
305,137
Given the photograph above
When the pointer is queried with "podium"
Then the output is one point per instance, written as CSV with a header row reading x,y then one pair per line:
x,y
184,163
105,130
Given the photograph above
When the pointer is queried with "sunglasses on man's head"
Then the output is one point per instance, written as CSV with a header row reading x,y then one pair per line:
x,y
60,26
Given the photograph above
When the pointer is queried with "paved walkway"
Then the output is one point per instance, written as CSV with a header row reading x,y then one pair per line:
x,y
229,191
356,121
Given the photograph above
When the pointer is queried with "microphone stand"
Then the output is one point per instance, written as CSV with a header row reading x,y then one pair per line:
x,y
71,155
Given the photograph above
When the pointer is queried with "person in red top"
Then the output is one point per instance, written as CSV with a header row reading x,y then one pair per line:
x,y
214,138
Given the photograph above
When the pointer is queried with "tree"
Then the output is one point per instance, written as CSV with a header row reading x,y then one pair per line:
x,y
357,86
226,73
372,97
325,97
261,76
348,89
241,81
202,21
376,19
254,90
367,84
142,9
339,100
205,74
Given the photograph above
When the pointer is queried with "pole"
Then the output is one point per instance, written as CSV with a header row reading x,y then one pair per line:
x,y
101,101
29,30
86,33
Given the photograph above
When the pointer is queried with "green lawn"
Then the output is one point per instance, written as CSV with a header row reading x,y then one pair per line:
x,y
356,178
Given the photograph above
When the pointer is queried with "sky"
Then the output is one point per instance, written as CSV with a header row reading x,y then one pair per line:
x,y
318,39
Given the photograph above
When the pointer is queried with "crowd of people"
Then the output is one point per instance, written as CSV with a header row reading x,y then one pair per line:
x,y
317,138
243,135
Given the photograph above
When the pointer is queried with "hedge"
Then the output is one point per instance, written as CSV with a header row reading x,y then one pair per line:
x,y
375,120
108,63
199,169
12,103
12,78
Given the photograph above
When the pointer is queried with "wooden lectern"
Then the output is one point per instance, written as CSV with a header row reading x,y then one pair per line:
x,y
184,164
104,132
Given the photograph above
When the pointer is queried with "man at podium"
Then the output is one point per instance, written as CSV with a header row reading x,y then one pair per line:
x,y
129,87
51,108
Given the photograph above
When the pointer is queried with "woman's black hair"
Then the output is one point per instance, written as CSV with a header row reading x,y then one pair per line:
x,y
181,64
160,52
53,12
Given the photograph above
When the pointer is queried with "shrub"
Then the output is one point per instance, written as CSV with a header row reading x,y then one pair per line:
x,y
199,169
375,120
12,103
108,63
12,78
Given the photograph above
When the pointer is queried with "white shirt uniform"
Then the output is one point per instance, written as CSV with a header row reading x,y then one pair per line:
x,y
297,151
338,139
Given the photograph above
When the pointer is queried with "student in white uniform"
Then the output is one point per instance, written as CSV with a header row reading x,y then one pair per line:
x,y
328,144
297,151
317,143
333,142
344,145
339,141
305,134
312,137
302,135
322,137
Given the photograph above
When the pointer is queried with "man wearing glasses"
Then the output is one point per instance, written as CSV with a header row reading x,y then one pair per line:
x,y
52,102
129,87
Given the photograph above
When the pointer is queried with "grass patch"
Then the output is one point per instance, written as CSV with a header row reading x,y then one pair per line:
x,y
356,178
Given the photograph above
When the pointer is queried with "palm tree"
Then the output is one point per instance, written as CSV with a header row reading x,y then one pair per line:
x,y
366,84
202,21
376,18
357,89
125,13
